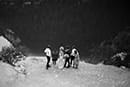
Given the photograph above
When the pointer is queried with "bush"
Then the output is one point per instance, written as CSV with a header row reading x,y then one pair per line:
x,y
100,53
122,42
104,51
10,55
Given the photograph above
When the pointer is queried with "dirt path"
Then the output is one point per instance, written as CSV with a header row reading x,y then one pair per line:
x,y
87,75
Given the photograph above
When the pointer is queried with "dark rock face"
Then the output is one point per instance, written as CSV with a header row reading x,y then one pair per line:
x,y
16,51
12,37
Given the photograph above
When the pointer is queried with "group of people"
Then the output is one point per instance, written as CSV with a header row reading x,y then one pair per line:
x,y
66,57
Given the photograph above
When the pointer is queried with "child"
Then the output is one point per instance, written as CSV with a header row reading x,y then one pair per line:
x,y
54,57
76,59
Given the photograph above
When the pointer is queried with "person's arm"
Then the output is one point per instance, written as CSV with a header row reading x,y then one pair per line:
x,y
44,52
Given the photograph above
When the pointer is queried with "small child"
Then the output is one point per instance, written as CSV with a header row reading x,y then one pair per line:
x,y
76,59
54,57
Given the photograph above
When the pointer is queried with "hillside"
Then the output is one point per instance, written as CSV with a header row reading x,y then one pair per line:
x,y
88,75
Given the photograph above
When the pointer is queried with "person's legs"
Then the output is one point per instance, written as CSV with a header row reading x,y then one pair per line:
x,y
66,65
65,62
48,61
76,63
71,60
68,62
54,61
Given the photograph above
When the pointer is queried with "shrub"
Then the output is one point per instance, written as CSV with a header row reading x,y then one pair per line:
x,y
107,49
10,55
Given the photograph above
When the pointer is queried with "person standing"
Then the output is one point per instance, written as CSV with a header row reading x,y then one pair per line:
x,y
54,57
61,59
67,57
76,59
72,56
61,52
48,55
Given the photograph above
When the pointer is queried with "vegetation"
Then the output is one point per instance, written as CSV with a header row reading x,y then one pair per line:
x,y
16,51
104,51
10,55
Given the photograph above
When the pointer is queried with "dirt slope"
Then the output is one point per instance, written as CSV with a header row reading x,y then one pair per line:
x,y
87,75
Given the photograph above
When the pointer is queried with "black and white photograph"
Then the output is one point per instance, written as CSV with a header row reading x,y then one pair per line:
x,y
64,43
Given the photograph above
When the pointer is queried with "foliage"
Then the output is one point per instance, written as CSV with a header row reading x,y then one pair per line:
x,y
106,49
10,55
122,42
100,54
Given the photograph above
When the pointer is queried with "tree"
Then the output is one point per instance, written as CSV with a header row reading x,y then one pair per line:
x,y
122,42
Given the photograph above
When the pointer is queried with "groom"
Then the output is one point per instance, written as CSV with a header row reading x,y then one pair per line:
x,y
48,55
